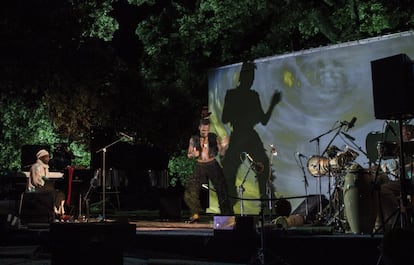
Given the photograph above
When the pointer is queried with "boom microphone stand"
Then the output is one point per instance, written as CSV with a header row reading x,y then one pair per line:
x,y
103,150
302,167
317,139
241,191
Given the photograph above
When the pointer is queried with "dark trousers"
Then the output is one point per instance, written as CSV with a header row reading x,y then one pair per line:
x,y
202,173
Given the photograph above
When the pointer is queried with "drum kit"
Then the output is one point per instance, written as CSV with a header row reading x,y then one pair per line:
x,y
353,204
341,166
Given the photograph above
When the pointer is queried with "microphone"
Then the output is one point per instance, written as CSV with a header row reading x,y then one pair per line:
x,y
300,155
126,136
351,124
250,159
257,166
348,136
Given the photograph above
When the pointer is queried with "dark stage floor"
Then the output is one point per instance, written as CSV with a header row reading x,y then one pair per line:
x,y
143,238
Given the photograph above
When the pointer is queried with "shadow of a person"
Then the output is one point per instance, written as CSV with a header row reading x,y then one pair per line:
x,y
243,110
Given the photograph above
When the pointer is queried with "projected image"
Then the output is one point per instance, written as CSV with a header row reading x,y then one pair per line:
x,y
283,114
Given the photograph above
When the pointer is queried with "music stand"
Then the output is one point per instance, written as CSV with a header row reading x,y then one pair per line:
x,y
103,150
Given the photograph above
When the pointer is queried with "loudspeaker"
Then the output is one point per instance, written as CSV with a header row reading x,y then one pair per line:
x,y
90,243
28,155
393,87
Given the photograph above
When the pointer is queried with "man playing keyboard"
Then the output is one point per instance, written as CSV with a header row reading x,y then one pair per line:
x,y
38,181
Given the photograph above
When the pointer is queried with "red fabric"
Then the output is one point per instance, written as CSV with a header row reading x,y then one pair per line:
x,y
70,176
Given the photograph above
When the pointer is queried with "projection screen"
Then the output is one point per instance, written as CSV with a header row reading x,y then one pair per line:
x,y
321,89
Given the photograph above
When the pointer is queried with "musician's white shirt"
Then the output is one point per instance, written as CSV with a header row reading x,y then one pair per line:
x,y
38,172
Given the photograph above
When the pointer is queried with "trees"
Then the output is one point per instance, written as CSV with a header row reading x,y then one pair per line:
x,y
140,65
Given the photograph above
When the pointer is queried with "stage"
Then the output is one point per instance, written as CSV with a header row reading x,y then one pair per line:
x,y
132,240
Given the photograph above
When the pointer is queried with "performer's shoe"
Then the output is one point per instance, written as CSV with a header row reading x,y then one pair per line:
x,y
193,219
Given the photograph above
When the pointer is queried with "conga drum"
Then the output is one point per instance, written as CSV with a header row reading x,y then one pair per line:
x,y
360,199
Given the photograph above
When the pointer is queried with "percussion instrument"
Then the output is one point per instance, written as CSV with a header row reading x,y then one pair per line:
x,y
360,199
318,165
336,162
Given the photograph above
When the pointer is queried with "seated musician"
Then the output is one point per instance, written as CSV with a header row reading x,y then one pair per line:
x,y
38,181
390,192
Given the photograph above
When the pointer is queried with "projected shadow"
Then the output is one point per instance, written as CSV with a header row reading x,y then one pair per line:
x,y
243,110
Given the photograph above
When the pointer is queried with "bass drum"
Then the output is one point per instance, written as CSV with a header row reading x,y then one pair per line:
x,y
318,165
361,201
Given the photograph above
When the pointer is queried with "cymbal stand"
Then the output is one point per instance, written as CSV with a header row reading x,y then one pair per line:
x,y
103,150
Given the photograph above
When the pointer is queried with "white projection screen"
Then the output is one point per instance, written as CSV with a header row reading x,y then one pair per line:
x,y
320,88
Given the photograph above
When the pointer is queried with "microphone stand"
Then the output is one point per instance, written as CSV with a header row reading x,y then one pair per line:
x,y
317,139
268,183
318,149
241,190
306,187
354,144
338,130
103,150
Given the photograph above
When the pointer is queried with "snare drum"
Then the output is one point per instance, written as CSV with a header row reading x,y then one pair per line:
x,y
361,201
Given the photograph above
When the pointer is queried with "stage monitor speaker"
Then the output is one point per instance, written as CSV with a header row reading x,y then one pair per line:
x,y
393,87
91,243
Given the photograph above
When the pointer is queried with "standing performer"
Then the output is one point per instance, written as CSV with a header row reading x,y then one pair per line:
x,y
38,181
205,147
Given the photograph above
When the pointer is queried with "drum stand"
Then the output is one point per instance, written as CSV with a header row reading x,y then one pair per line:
x,y
338,130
